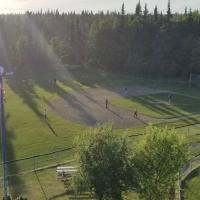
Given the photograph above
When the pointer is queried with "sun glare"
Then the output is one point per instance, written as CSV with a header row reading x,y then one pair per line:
x,y
12,6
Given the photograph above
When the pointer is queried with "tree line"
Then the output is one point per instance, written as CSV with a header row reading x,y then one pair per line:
x,y
140,43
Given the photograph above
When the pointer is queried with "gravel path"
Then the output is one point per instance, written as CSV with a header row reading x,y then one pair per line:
x,y
88,107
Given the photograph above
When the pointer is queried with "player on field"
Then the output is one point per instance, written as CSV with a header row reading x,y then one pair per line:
x,y
106,103
136,114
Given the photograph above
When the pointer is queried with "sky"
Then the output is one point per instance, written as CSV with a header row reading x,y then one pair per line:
x,y
20,6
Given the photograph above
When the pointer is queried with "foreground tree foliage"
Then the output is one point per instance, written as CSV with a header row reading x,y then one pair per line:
x,y
108,167
157,162
104,164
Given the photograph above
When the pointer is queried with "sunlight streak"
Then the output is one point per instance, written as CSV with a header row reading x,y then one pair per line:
x,y
39,39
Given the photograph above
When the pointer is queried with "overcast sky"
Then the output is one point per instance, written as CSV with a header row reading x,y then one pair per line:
x,y
7,6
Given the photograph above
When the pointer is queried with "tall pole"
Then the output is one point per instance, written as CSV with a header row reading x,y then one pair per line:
x,y
3,137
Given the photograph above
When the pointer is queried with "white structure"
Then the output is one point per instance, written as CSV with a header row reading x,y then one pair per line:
x,y
66,170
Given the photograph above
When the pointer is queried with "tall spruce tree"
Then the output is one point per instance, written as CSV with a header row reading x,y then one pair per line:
x,y
155,14
169,12
138,9
185,13
123,10
190,17
145,11
123,16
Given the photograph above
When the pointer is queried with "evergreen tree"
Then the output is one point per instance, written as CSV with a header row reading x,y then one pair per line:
x,y
190,17
155,14
123,16
138,9
161,16
145,11
195,57
185,13
123,10
169,13
77,38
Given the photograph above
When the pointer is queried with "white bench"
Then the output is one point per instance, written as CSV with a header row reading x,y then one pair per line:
x,y
66,170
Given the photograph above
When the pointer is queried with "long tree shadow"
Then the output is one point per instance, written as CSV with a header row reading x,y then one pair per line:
x,y
165,109
51,128
28,94
16,185
83,75
114,113
41,187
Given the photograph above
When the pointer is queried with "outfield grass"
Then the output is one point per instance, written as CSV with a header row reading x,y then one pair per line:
x,y
192,191
90,77
27,95
45,185
158,106
28,133
28,130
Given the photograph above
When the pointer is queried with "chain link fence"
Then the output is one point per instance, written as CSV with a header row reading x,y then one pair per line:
x,y
38,162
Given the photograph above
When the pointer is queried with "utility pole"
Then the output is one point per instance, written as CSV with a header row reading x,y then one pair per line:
x,y
3,135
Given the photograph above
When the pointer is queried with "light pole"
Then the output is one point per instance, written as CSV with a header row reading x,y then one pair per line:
x,y
3,134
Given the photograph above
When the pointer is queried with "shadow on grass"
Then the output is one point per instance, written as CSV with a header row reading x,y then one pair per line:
x,y
51,128
26,90
89,78
114,113
41,187
58,195
15,183
71,197
168,111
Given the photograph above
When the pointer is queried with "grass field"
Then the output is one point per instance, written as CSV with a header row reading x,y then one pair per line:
x,y
29,134
158,106
192,189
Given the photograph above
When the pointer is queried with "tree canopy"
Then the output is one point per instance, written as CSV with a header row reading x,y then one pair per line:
x,y
141,43
157,162
108,166
104,162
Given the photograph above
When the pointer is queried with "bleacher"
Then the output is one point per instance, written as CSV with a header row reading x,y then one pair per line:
x,y
64,171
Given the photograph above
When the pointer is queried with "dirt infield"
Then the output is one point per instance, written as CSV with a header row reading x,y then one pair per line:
x,y
88,106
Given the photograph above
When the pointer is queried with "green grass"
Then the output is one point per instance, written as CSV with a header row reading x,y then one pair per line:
x,y
90,77
157,105
28,133
38,185
192,191
27,95
28,129
44,184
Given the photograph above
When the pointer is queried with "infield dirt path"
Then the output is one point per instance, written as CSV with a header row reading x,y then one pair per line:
x,y
88,107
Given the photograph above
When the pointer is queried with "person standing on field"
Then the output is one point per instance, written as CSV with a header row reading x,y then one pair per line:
x,y
106,103
45,113
136,114
125,91
170,98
